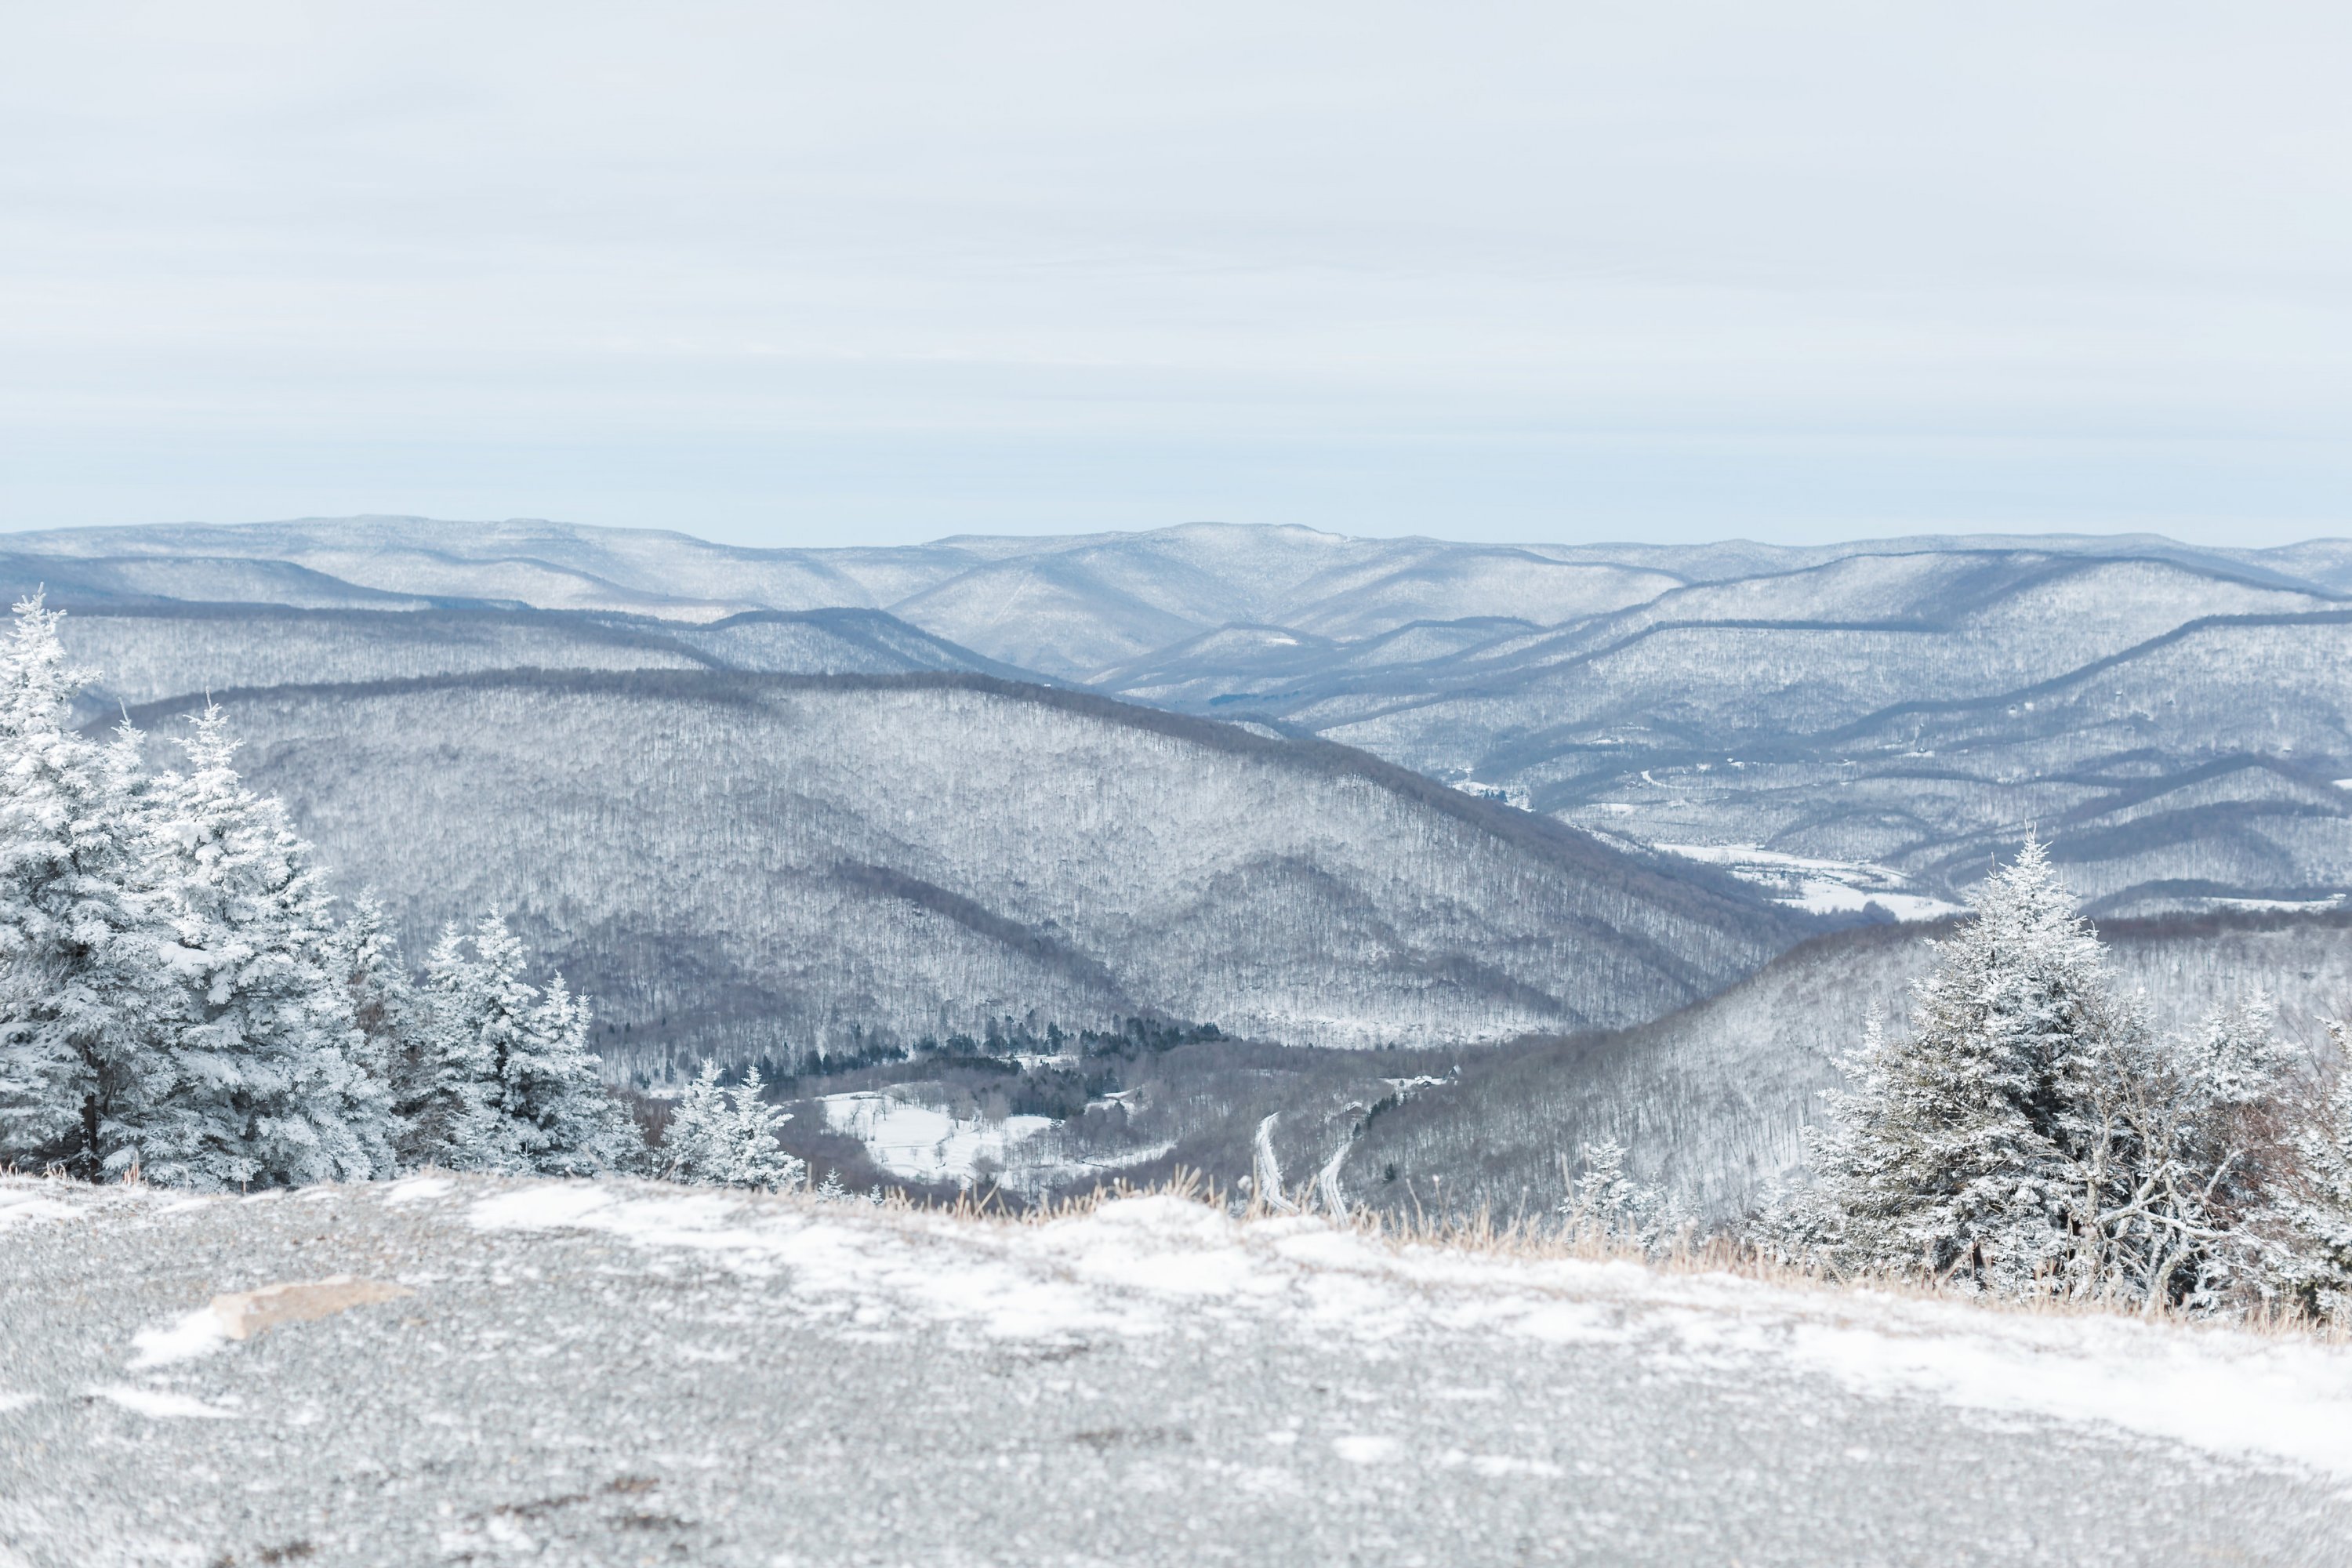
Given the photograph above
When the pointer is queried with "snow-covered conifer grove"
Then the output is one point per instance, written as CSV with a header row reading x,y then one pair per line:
x,y
2035,1134
178,997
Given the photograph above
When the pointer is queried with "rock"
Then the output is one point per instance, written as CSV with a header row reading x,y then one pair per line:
x,y
249,1312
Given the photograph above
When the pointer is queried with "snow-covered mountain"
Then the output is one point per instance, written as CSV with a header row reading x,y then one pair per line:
x,y
2178,730
759,801
1840,725
739,864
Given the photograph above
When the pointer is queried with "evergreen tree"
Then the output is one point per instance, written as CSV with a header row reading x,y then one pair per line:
x,y
85,982
390,1018
693,1146
568,1126
260,1076
759,1159
507,1082
2035,1135
711,1143
444,1099
1606,1204
1957,1150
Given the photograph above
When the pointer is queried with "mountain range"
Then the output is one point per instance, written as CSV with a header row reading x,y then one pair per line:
x,y
1841,727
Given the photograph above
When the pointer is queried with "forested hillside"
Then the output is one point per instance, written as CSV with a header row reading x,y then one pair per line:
x,y
742,865
1710,1101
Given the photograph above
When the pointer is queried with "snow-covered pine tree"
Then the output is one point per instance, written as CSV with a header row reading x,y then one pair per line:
x,y
84,989
388,1013
1606,1204
261,1076
759,1159
446,1102
507,1081
695,1145
1603,1199
555,1093
1956,1150
711,1143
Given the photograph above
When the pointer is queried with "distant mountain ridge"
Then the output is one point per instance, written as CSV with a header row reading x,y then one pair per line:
x,y
1841,725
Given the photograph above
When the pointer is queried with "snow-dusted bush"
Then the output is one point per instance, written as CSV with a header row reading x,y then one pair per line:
x,y
2314,1211
712,1143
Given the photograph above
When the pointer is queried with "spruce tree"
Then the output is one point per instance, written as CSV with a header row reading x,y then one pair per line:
x,y
86,984
2035,1135
1957,1150
507,1082
695,1145
1607,1203
555,1094
389,1015
261,1076
710,1144
760,1161
442,1095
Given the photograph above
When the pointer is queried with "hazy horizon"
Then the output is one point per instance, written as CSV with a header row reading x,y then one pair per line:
x,y
1985,537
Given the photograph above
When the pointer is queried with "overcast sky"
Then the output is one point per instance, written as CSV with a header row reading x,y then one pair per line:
x,y
874,271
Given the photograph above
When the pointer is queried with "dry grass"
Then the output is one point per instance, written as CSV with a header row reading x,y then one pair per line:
x,y
1549,1238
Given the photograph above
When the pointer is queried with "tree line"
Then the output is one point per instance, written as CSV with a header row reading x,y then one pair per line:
x,y
180,1000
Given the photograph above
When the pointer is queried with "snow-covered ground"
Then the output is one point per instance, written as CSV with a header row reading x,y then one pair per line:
x,y
617,1372
1141,1266
1819,887
924,1143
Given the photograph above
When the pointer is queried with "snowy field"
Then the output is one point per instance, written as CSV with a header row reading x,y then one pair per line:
x,y
616,1373
924,1143
1818,886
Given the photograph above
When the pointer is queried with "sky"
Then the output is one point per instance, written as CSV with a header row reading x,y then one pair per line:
x,y
881,272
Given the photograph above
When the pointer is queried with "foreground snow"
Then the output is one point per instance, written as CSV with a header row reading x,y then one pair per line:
x,y
1143,1266
470,1369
